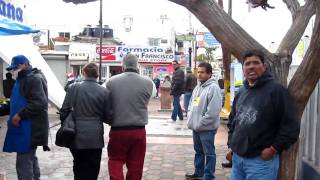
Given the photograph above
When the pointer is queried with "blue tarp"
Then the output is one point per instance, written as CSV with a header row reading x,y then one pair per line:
x,y
8,27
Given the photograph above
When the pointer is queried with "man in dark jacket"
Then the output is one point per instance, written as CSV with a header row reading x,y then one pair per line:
x,y
28,121
156,81
177,89
262,122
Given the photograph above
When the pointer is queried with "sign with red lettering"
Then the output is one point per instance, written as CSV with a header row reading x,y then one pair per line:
x,y
108,53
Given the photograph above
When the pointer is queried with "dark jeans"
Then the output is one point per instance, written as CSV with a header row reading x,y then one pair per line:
x,y
205,157
27,165
176,108
86,163
157,95
187,97
126,147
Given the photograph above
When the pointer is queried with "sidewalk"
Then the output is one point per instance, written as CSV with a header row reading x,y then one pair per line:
x,y
169,152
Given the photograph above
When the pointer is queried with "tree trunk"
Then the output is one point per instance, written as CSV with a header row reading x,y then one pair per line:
x,y
233,37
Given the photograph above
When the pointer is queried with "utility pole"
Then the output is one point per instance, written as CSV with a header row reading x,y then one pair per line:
x,y
100,52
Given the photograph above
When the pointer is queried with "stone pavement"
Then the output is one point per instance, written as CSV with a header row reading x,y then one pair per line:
x,y
169,151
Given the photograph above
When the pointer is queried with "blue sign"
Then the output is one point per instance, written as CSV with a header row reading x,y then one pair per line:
x,y
10,11
210,40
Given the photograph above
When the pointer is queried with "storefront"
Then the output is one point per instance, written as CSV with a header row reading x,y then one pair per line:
x,y
152,60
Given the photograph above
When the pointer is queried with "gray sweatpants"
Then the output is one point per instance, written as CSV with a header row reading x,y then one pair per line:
x,y
27,165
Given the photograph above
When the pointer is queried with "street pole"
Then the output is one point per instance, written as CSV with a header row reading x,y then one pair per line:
x,y
100,52
190,51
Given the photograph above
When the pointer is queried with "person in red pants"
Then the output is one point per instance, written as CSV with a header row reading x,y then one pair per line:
x,y
130,94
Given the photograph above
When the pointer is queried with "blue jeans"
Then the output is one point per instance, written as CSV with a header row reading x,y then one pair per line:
x,y
254,168
187,97
27,165
205,157
176,108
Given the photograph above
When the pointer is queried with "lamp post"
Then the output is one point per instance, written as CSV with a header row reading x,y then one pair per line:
x,y
190,51
100,52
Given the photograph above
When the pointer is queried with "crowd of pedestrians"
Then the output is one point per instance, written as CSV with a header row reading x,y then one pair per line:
x,y
261,125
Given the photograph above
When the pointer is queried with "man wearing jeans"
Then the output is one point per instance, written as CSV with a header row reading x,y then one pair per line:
x,y
177,89
262,122
204,120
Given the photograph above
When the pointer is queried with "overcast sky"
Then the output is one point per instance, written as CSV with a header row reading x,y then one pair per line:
x,y
265,26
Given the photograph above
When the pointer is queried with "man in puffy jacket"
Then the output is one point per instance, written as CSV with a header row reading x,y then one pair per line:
x,y
28,124
262,122
204,120
177,89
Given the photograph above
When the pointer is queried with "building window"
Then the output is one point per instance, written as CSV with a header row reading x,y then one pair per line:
x,y
153,41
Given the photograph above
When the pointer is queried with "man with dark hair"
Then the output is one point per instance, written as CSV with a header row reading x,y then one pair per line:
x,y
28,124
262,122
8,85
130,95
156,81
204,120
177,89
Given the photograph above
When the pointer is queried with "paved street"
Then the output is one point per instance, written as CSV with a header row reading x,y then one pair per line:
x,y
169,151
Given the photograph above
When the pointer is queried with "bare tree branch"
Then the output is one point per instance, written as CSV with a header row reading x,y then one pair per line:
x,y
299,24
308,68
293,6
220,23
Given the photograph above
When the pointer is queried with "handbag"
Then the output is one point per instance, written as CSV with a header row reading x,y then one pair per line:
x,y
66,133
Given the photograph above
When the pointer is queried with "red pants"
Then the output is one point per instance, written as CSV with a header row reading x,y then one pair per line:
x,y
126,147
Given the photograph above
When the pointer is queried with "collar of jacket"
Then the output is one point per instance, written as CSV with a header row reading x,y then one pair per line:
x,y
207,82
131,70
90,79
266,77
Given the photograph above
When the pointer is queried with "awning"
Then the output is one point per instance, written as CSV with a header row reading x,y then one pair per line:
x,y
8,27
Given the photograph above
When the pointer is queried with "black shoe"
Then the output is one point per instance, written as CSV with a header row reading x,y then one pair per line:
x,y
193,176
226,164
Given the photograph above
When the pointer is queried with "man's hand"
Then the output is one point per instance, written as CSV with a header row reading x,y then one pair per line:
x,y
267,154
16,120
229,155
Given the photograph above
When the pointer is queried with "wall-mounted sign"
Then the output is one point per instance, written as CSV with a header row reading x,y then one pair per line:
x,y
11,10
145,54
206,40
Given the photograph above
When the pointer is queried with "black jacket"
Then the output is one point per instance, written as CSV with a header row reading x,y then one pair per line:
x,y
91,108
177,85
34,89
191,82
262,116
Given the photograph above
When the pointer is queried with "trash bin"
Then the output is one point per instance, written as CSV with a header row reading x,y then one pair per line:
x,y
165,98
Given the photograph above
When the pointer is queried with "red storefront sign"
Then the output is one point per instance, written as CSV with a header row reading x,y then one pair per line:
x,y
108,53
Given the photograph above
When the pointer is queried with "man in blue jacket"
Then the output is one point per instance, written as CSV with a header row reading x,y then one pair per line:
x,y
28,121
204,120
262,122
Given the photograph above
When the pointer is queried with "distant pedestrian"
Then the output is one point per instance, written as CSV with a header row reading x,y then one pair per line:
x,y
166,82
90,111
8,84
191,83
71,79
262,122
204,120
28,124
177,89
130,95
156,81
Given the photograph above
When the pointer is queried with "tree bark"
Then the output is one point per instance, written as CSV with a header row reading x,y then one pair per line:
x,y
237,40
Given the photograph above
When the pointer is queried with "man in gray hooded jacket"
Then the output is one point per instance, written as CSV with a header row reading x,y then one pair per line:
x,y
204,120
